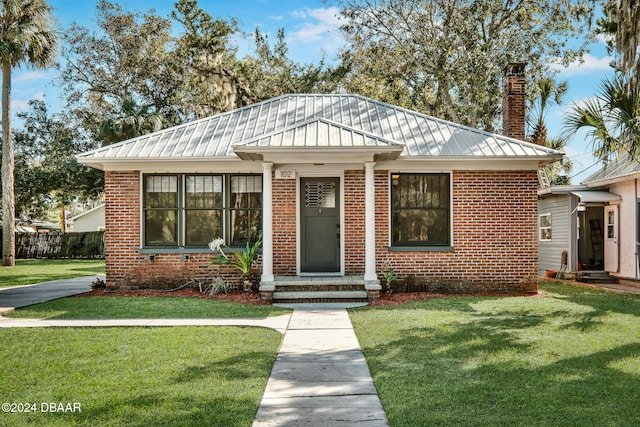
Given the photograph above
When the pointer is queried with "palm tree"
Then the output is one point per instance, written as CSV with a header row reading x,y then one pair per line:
x,y
134,121
550,92
27,37
612,119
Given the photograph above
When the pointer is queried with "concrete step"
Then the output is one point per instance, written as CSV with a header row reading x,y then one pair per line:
x,y
317,287
597,277
319,296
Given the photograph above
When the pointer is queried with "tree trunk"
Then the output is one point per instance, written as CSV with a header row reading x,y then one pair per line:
x,y
63,219
8,198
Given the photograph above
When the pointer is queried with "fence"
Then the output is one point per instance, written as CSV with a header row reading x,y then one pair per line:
x,y
60,245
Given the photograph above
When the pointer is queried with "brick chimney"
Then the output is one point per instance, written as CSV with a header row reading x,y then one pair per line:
x,y
513,100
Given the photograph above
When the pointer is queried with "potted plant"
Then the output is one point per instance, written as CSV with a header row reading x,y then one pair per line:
x,y
243,260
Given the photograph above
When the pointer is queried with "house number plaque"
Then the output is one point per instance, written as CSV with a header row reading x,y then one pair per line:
x,y
285,174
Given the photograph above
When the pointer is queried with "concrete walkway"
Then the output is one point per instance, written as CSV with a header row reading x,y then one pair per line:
x,y
279,323
320,377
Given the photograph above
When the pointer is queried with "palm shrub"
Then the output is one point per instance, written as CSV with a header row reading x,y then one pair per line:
x,y
243,260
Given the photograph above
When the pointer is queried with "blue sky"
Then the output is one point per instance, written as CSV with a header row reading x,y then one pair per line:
x,y
311,28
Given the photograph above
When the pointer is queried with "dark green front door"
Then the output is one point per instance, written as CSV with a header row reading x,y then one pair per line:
x,y
320,225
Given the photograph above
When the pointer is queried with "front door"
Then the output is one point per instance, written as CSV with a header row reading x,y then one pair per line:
x,y
611,246
320,225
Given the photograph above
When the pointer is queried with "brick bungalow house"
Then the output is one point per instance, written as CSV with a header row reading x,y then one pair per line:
x,y
338,187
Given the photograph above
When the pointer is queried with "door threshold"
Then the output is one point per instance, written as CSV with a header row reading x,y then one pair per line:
x,y
338,274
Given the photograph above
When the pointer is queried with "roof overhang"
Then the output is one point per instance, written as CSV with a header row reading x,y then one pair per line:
x,y
157,164
596,197
317,154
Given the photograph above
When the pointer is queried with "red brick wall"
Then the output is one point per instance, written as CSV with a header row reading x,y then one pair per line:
x,y
494,235
284,227
126,266
353,231
513,101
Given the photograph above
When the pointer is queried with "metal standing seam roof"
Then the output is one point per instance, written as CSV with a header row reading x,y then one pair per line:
x,y
620,167
337,120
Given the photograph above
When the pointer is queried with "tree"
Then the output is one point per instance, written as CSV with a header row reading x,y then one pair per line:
x,y
549,92
445,57
49,175
26,37
270,72
622,23
127,58
612,119
138,68
132,121
211,82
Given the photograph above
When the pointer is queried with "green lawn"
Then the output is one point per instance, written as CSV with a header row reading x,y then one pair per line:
x,y
29,271
570,359
184,376
121,307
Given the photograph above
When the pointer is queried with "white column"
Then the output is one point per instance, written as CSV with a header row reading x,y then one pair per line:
x,y
266,281
370,275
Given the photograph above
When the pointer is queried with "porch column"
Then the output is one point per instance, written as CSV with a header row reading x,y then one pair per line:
x,y
370,276
266,281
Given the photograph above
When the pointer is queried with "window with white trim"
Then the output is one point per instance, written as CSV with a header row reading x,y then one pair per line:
x,y
420,209
544,226
188,210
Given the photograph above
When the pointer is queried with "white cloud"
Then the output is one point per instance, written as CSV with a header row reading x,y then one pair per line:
x,y
30,76
589,64
322,27
23,104
19,105
299,14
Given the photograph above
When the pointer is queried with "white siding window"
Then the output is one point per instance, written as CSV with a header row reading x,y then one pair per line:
x,y
544,225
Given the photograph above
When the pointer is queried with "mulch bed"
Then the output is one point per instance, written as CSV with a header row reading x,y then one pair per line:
x,y
253,298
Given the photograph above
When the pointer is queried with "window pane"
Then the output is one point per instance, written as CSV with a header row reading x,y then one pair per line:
x,y
203,226
160,227
246,192
420,206
418,225
203,191
545,221
161,191
246,226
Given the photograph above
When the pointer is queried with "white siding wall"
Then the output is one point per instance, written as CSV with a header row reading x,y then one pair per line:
x,y
627,231
91,221
550,251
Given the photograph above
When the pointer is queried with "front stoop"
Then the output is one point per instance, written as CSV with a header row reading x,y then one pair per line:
x,y
319,289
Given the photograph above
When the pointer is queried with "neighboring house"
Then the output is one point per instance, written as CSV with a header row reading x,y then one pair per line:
x,y
91,220
336,185
38,227
596,223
